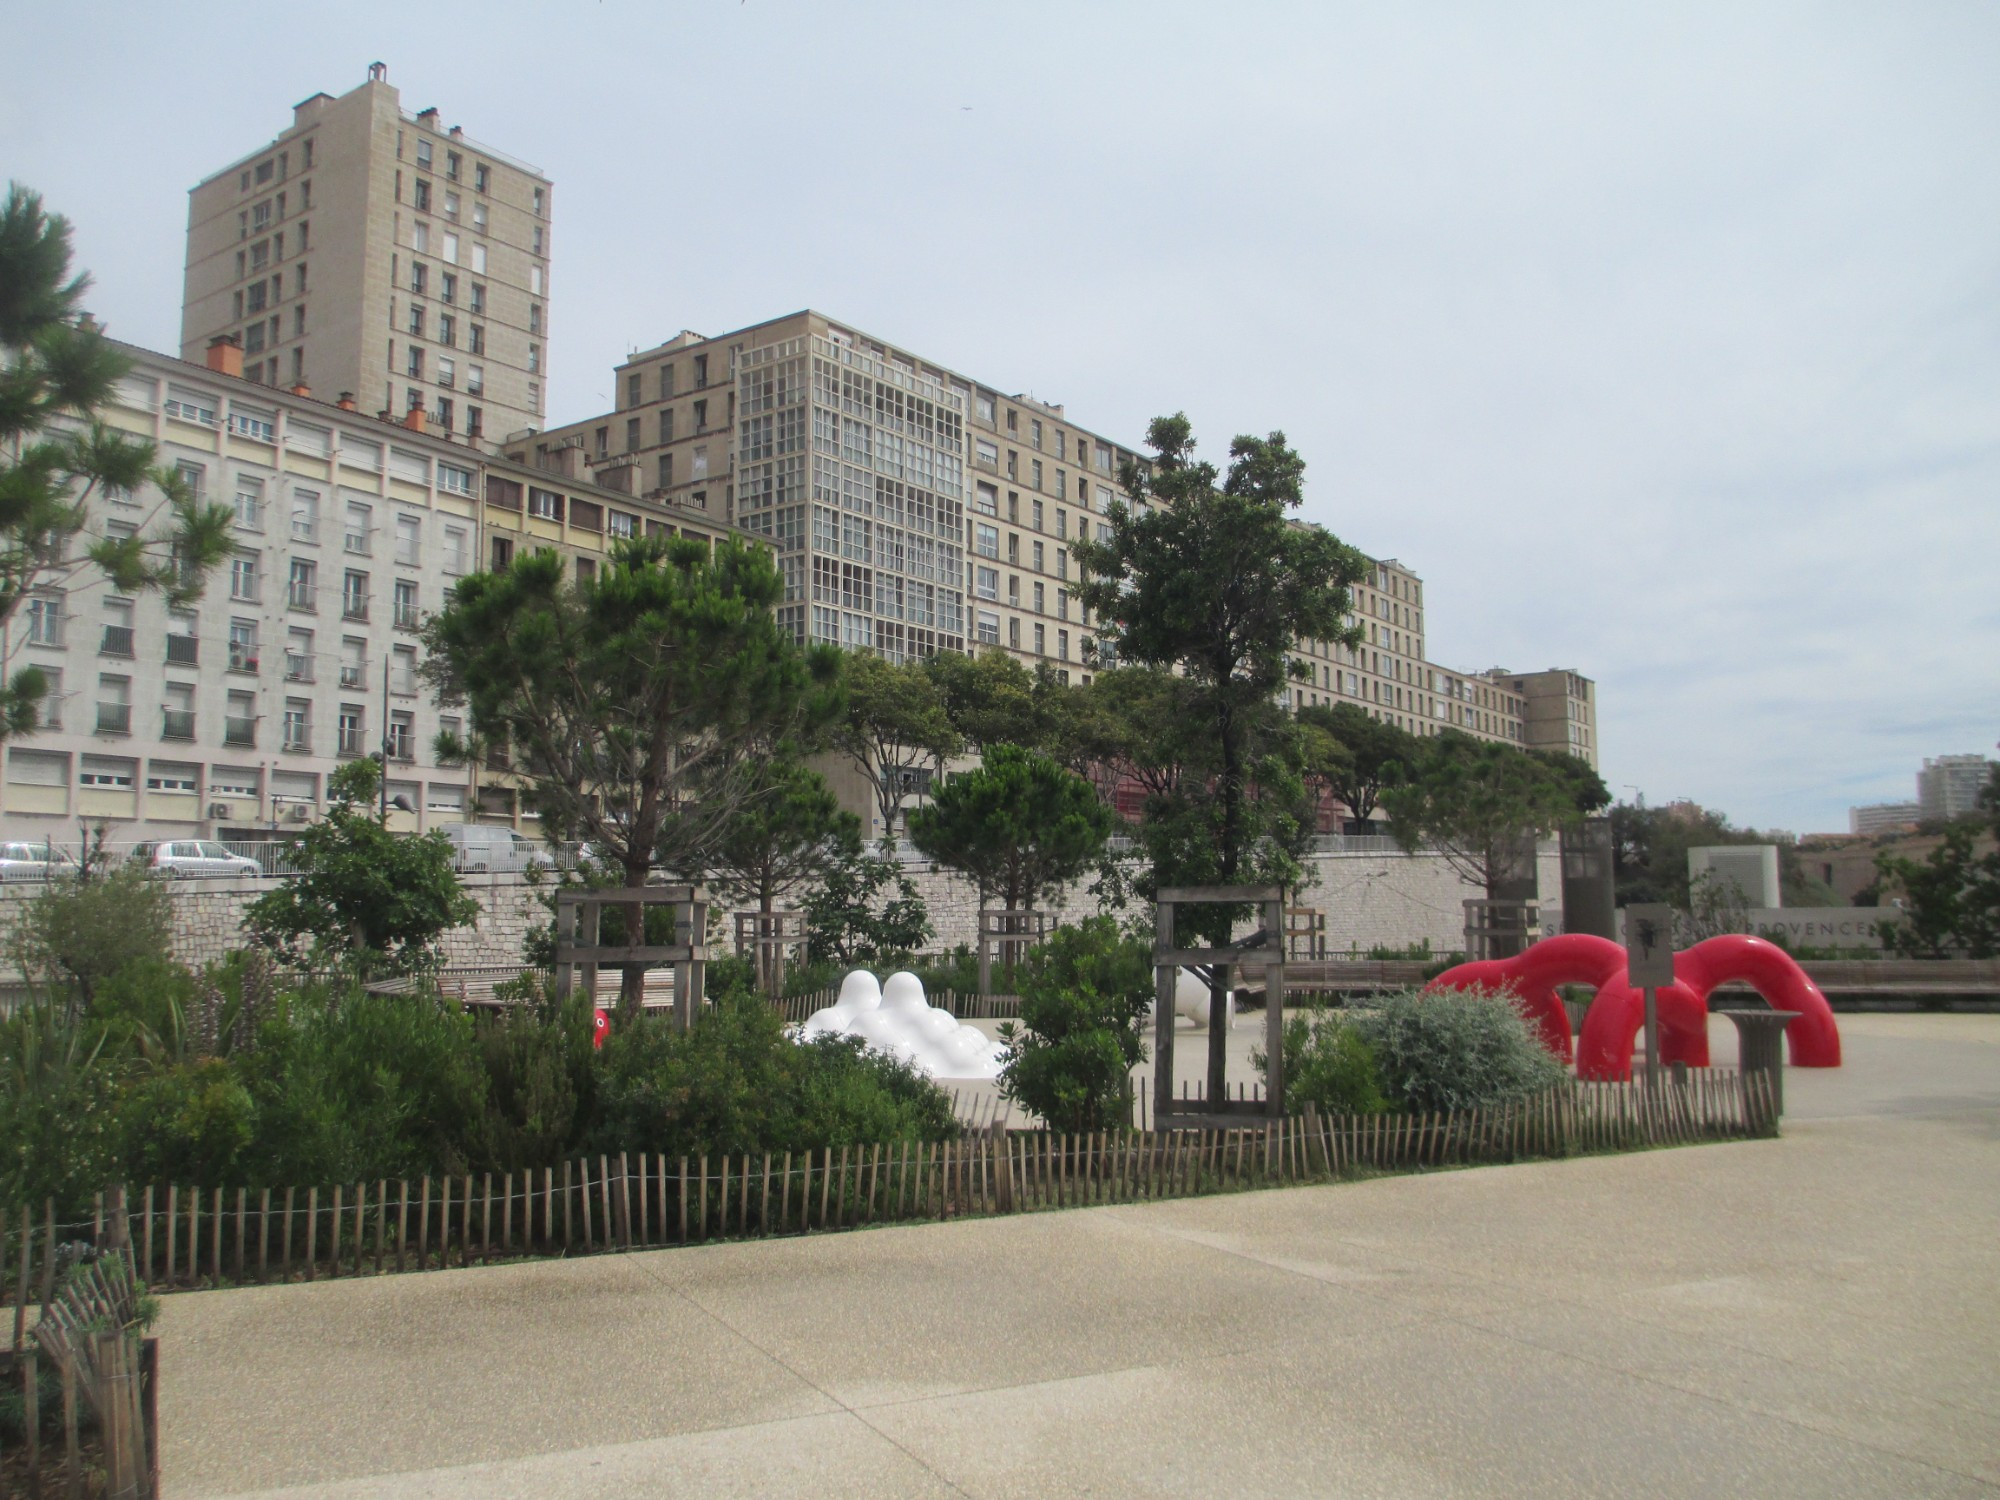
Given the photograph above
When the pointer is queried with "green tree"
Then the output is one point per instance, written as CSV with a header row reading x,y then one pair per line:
x,y
638,702
56,456
364,898
1216,581
895,719
1084,996
1951,899
1020,826
991,699
1476,802
1137,723
1378,754
864,909
77,933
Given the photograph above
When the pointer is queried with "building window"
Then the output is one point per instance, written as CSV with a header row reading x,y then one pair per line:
x,y
45,620
353,729
117,639
986,540
482,176
243,646
114,705
401,743
298,724
544,505
416,372
419,277
302,586
354,595
243,577
986,582
406,604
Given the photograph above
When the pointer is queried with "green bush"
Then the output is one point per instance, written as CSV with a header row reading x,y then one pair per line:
x,y
737,1083
540,1073
78,932
59,1127
1084,994
1453,1049
188,1123
1327,1065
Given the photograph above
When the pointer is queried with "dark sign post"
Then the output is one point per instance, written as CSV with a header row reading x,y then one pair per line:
x,y
1649,957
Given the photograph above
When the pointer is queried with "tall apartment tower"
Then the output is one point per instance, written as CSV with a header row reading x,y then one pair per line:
x,y
370,251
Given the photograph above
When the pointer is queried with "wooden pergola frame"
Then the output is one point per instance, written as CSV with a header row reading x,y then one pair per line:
x,y
579,914
764,936
1217,1110
1008,933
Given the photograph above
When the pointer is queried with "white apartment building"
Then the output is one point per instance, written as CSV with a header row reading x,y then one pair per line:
x,y
225,720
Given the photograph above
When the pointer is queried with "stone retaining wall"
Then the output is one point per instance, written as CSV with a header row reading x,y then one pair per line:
x,y
1370,900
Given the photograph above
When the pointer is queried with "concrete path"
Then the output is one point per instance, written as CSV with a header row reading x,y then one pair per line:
x,y
1813,1316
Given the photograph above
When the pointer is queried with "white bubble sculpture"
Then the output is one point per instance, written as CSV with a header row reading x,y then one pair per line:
x,y
1191,1000
894,1018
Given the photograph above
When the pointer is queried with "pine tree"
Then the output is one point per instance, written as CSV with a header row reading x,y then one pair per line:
x,y
56,456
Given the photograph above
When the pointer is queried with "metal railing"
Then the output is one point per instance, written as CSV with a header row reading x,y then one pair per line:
x,y
177,724
117,641
114,718
239,731
183,650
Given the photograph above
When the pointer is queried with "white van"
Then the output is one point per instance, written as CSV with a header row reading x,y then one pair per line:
x,y
485,848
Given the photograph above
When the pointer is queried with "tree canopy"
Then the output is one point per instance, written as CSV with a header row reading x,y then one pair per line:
x,y
1477,801
1207,574
1951,899
991,699
1020,826
637,704
1378,754
895,718
364,899
56,369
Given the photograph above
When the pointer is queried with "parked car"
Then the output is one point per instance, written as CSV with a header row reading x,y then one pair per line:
x,y
188,859
33,862
487,849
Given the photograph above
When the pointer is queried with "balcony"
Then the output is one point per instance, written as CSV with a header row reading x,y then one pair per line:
x,y
177,724
298,737
239,731
354,677
117,641
357,543
352,740
114,718
298,668
242,658
183,651
354,607
303,596
407,617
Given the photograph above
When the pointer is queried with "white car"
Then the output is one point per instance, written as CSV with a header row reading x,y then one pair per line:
x,y
187,859
33,862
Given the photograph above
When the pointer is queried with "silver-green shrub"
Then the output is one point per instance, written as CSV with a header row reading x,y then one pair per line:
x,y
1453,1049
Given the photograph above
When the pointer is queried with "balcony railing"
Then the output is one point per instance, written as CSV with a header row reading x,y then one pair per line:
x,y
177,724
114,718
407,617
354,607
242,659
117,641
302,596
183,650
298,737
351,741
353,677
236,731
298,667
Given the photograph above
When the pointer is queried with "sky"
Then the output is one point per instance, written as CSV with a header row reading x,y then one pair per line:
x,y
1662,342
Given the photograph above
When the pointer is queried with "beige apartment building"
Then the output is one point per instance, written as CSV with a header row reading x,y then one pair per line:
x,y
914,509
371,251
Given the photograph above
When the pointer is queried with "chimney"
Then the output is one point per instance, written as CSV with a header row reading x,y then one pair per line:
x,y
346,401
225,355
458,132
428,118
300,388
415,420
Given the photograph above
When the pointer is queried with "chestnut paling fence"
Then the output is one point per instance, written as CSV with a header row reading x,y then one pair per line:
x,y
191,1236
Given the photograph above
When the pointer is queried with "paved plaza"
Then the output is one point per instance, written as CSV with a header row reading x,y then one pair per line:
x,y
1816,1316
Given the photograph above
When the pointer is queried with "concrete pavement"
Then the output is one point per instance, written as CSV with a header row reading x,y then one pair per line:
x,y
1815,1315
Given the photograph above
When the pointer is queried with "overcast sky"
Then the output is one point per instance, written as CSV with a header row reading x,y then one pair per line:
x,y
1663,342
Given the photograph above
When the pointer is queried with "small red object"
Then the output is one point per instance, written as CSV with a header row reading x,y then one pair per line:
x,y
600,1028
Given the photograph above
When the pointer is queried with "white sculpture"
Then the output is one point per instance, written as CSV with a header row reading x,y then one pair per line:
x,y
1191,1000
896,1019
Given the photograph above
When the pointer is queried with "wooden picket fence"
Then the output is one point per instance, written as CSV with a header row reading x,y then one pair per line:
x,y
186,1237
86,1330
795,1008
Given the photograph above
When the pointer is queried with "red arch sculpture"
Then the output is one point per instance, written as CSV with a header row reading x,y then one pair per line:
x,y
1617,1012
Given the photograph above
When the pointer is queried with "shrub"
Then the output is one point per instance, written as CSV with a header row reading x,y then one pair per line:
x,y
737,1083
1327,1065
1084,994
80,931
188,1123
1452,1049
539,1062
59,1132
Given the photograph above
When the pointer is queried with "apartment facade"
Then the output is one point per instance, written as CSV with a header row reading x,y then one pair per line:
x,y
914,508
377,252
226,719
1948,786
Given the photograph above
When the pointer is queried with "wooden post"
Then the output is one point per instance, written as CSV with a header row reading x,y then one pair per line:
x,y
333,1250
242,1196
424,1224
173,1230
286,1272
683,1182
785,1194
312,1230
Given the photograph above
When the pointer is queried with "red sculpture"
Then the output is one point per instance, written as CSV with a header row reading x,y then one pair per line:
x,y
1617,1011
600,1028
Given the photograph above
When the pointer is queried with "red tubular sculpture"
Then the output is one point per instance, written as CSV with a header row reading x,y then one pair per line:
x,y
1617,1012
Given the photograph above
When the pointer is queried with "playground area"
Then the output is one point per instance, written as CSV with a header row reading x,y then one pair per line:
x,y
1804,1316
